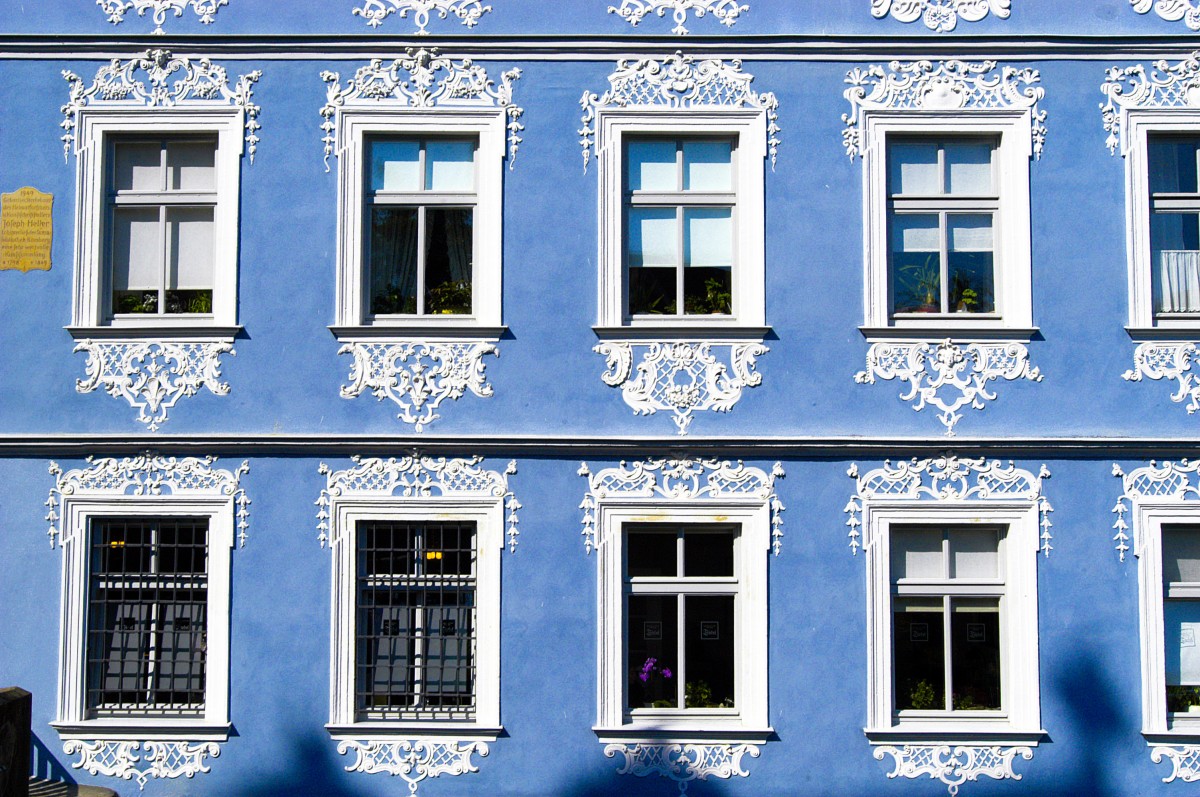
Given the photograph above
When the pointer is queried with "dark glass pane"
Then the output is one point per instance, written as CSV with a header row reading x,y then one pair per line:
x,y
651,553
653,651
708,553
918,662
709,638
975,653
387,548
393,261
121,548
651,291
1172,164
707,291
971,270
199,301
449,549
448,256
183,547
916,263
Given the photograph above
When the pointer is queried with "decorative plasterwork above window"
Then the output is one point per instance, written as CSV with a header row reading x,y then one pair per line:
x,y
414,760
205,9
200,84
1131,89
421,79
147,475
679,376
940,15
376,11
947,479
1165,483
724,11
682,480
119,759
676,83
953,765
1171,10
1168,360
948,376
417,477
682,763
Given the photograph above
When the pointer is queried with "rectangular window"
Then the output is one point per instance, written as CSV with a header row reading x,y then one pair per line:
x,y
681,596
419,225
943,201
415,620
1181,618
1174,223
147,622
162,197
680,213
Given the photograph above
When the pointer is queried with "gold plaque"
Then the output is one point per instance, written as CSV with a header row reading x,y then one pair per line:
x,y
26,230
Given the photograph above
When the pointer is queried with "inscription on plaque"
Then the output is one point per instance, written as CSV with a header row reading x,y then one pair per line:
x,y
25,230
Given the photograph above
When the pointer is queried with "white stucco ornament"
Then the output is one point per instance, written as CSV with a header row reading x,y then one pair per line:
x,y
1164,85
940,15
205,9
1184,759
376,11
1168,360
414,760
682,763
161,759
953,765
1171,10
724,11
1159,482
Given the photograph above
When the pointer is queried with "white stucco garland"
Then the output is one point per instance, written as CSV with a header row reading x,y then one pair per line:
x,y
940,15
376,11
953,765
161,759
1133,88
1169,482
724,11
682,763
1168,360
414,760
205,9
1171,10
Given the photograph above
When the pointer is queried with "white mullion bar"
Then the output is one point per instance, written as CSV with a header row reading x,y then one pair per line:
x,y
417,623
421,232
152,646
947,661
680,259
680,662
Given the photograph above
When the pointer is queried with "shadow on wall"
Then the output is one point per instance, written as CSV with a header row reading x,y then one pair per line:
x,y
45,765
1098,724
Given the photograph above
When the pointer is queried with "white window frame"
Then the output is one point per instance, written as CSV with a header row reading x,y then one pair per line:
x,y
91,313
748,722
488,516
1020,717
355,126
1012,128
747,127
72,721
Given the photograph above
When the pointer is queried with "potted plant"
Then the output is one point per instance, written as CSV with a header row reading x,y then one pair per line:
x,y
922,286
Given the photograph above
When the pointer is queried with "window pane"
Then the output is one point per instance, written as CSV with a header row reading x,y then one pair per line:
x,y
969,169
652,664
975,653
973,553
448,677
136,260
709,638
1175,244
1181,554
653,239
190,247
917,553
652,166
708,165
449,250
916,263
450,166
708,249
1172,164
393,261
395,165
1181,627
914,169
138,167
708,553
651,553
970,264
919,660
191,166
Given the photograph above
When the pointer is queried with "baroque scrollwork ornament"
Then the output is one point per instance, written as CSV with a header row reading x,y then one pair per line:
x,y
376,11
1131,88
169,82
953,765
682,480
947,375
417,476
941,85
947,478
1184,759
940,15
682,763
724,11
1171,10
152,375
205,9
1168,360
677,81
1159,482
161,759
421,79
414,760
418,375
681,377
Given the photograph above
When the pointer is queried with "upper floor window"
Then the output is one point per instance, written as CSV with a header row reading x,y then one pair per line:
x,y
1174,224
1181,623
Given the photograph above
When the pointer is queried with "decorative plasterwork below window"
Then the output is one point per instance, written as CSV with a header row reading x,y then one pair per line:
x,y
940,15
961,371
413,759
205,9
1171,10
678,82
941,86
1166,482
153,375
417,375
682,763
418,477
1168,360
1184,758
421,79
1130,88
679,376
725,11
202,83
685,480
947,478
148,475
376,11
953,765
162,759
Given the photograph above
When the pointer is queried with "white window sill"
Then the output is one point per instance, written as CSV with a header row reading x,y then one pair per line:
x,y
142,729
158,331
682,331
955,732
458,329
957,331
1189,330
693,731
403,729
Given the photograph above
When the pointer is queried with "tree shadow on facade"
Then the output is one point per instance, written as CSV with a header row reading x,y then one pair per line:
x,y
45,765
312,767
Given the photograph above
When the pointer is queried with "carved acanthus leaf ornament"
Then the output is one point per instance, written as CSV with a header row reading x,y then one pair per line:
x,y
205,9
161,759
376,11
940,15
724,11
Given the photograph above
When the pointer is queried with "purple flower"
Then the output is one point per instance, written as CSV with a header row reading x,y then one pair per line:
x,y
644,676
666,673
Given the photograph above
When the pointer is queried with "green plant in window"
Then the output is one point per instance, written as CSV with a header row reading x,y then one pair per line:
x,y
393,301
452,297
966,703
698,694
967,301
921,286
1182,698
922,697
137,303
717,299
